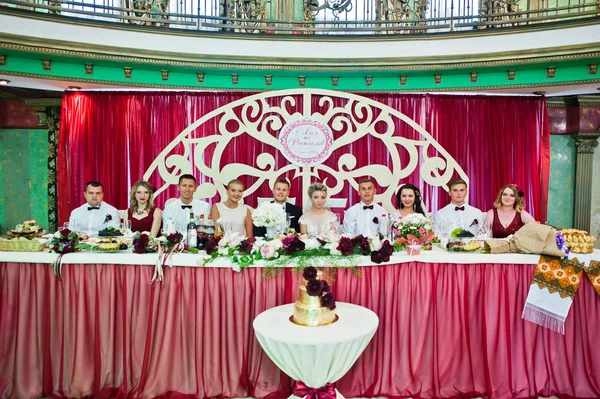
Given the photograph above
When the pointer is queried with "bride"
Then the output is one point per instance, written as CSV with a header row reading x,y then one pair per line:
x,y
319,221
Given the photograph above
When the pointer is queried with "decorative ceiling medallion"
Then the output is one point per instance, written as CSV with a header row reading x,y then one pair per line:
x,y
369,80
474,77
306,141
46,65
200,77
593,69
268,80
164,74
402,80
2,59
437,78
235,79
511,73
127,72
301,81
89,69
335,80
551,72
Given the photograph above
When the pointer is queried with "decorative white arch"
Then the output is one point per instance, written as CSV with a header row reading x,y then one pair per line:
x,y
258,115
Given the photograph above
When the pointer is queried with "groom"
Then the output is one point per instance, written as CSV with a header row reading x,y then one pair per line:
x,y
281,190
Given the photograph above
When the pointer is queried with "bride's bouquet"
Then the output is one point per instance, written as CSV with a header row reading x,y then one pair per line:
x,y
269,214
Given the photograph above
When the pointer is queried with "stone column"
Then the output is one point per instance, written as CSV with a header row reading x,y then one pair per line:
x,y
585,143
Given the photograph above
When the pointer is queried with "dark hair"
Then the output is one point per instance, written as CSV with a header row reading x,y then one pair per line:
x,y
187,176
93,183
454,182
282,180
418,208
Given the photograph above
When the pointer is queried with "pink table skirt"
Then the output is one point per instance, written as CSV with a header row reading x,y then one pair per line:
x,y
446,331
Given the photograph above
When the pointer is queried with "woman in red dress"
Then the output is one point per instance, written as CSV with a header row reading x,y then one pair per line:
x,y
508,214
142,212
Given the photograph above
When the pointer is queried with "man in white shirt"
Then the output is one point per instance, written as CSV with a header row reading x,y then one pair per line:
x,y
366,217
94,215
180,209
457,214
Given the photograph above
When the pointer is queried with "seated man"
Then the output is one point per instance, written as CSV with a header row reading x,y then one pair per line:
x,y
366,217
457,214
94,215
281,191
180,209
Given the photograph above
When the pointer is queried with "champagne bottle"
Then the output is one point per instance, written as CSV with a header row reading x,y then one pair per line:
x,y
192,233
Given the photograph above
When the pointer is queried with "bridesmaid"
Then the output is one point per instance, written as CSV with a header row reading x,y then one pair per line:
x,y
233,217
142,212
508,214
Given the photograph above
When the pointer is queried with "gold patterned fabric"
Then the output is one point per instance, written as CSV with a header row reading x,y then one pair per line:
x,y
593,273
558,275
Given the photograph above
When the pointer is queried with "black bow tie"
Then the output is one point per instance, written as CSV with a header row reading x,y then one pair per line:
x,y
459,208
367,207
186,206
93,207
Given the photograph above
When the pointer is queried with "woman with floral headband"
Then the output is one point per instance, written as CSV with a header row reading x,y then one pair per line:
x,y
508,214
410,200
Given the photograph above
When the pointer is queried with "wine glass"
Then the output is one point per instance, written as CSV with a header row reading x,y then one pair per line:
x,y
126,226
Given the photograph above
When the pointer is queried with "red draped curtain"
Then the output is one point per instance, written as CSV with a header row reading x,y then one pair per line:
x,y
114,137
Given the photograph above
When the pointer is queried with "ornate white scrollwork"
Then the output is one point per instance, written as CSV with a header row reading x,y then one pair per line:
x,y
262,115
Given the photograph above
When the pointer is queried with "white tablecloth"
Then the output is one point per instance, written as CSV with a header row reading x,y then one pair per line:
x,y
315,355
437,255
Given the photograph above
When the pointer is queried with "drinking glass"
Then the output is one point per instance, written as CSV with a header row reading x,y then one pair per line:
x,y
126,226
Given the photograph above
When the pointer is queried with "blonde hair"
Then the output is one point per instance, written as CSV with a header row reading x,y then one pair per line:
x,y
236,181
133,204
316,187
519,203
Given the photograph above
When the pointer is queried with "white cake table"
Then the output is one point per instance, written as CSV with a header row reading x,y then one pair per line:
x,y
315,356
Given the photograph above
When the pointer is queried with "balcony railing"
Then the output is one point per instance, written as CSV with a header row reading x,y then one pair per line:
x,y
320,17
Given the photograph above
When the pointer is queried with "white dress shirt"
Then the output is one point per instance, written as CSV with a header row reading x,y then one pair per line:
x,y
91,221
358,220
448,219
180,216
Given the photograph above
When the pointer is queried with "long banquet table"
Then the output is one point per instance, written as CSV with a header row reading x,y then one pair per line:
x,y
450,326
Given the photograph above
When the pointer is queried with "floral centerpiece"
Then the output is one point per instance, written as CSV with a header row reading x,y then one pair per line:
x,y
63,242
270,215
414,229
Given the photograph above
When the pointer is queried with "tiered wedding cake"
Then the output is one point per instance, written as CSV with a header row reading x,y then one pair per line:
x,y
315,304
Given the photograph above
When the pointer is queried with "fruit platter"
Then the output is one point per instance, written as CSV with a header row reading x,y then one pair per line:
x,y
110,232
463,240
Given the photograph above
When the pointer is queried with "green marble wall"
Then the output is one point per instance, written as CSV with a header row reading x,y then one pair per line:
x,y
23,177
561,192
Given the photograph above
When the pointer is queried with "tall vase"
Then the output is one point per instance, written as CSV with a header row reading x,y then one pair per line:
x,y
271,231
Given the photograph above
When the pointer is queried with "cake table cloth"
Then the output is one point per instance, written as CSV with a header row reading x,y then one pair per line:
x,y
315,355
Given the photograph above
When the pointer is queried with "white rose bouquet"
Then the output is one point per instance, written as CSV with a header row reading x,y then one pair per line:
x,y
269,214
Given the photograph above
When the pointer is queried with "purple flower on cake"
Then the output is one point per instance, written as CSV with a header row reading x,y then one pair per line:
x,y
327,301
309,273
313,288
325,286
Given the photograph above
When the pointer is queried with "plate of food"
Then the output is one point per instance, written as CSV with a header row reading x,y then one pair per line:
x,y
110,244
468,245
110,232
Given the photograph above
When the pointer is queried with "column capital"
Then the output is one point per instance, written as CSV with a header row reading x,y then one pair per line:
x,y
585,142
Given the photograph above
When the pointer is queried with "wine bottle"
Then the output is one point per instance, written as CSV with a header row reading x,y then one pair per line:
x,y
192,232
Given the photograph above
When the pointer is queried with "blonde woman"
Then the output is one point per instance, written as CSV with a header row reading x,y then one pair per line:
x,y
319,220
233,217
508,214
142,212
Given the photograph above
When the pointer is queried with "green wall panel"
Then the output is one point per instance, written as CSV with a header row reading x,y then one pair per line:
x,y
561,192
23,177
